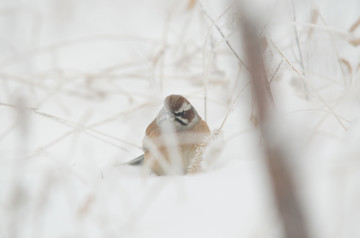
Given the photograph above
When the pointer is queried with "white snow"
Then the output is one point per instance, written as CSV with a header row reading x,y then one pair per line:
x,y
93,74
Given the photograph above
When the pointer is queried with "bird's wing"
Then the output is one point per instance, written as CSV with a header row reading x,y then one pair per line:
x,y
137,161
152,130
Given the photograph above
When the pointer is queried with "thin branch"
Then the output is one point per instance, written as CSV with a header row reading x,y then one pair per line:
x,y
45,49
223,36
309,85
91,132
276,71
299,49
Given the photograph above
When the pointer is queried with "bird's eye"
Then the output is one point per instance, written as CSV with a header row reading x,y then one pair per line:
x,y
179,114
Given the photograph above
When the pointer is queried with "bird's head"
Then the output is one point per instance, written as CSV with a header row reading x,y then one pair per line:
x,y
179,111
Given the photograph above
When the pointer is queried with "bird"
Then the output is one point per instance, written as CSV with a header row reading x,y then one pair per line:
x,y
173,137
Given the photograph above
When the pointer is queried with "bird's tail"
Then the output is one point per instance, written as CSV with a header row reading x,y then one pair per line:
x,y
137,161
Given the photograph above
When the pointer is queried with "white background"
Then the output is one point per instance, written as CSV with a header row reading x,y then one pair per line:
x,y
92,75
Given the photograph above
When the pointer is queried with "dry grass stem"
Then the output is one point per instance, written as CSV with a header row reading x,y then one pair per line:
x,y
284,191
195,165
299,49
355,25
313,20
91,132
225,38
72,42
307,82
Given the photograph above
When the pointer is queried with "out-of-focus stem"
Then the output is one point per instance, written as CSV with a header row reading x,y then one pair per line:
x,y
284,191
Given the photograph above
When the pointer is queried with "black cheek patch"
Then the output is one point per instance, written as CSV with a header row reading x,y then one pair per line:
x,y
180,121
181,114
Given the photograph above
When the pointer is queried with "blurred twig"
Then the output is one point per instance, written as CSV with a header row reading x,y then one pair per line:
x,y
48,48
299,49
226,40
89,131
309,85
206,68
281,178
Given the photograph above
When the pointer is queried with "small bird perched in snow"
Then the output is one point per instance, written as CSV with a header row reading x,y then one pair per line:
x,y
172,138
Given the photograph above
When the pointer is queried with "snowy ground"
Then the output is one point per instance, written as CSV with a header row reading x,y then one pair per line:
x,y
92,74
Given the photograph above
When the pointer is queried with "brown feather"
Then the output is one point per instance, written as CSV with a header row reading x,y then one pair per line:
x,y
188,140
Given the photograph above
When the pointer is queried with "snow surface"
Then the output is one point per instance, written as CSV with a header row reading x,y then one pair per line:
x,y
91,76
